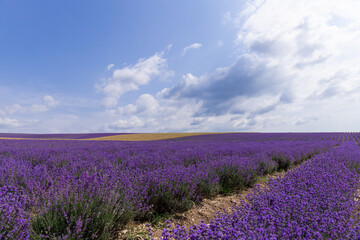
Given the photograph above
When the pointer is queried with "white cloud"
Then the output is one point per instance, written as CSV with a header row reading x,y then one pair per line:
x,y
130,78
192,46
50,101
220,43
306,42
133,122
8,122
26,117
13,109
154,114
226,18
145,104
110,66
298,63
248,78
315,45
37,108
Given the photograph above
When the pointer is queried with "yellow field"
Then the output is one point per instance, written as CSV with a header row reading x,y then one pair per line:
x,y
148,136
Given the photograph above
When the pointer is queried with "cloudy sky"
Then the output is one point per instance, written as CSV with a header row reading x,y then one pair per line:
x,y
179,66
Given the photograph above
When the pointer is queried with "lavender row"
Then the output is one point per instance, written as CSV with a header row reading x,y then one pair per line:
x,y
59,135
262,137
88,190
318,200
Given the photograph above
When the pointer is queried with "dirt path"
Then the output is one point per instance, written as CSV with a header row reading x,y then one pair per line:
x,y
203,211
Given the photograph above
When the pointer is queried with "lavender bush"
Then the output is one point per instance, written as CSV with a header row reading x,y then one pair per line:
x,y
14,218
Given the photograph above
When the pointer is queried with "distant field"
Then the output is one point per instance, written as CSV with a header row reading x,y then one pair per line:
x,y
64,136
149,136
102,136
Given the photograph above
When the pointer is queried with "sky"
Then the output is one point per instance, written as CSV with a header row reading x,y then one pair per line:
x,y
179,66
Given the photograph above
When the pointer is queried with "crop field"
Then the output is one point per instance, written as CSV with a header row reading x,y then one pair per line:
x,y
80,189
102,136
56,136
148,136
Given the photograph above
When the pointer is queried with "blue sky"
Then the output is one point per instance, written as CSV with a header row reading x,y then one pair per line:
x,y
174,66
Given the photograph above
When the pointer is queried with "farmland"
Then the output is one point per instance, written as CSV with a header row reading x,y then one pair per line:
x,y
82,189
147,136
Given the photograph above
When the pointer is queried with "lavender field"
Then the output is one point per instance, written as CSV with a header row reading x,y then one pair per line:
x,y
92,189
57,136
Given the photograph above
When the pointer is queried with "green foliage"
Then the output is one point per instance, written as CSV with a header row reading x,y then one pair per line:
x,y
231,179
205,189
164,202
194,160
354,165
266,167
306,157
283,162
167,202
251,177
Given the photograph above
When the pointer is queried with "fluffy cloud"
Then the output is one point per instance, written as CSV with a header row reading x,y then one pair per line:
x,y
36,108
130,78
296,70
178,115
110,66
145,104
192,46
153,114
314,42
8,122
226,89
226,18
27,116
133,123
13,109
297,64
48,103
